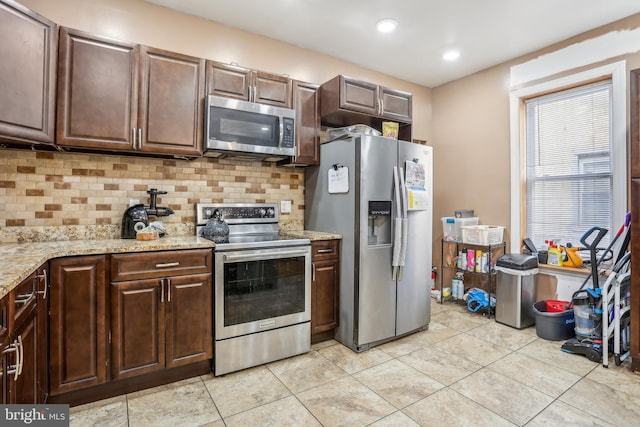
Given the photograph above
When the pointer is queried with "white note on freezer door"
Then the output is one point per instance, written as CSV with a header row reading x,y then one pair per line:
x,y
338,179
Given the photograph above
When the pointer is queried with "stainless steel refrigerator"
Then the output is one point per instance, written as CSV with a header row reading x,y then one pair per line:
x,y
377,193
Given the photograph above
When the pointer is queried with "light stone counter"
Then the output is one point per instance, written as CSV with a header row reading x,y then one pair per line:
x,y
19,260
311,235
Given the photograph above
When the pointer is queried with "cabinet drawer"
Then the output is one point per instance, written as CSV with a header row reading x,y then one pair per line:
x,y
148,265
23,299
324,249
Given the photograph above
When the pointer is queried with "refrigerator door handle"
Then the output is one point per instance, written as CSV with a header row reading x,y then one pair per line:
x,y
405,225
397,225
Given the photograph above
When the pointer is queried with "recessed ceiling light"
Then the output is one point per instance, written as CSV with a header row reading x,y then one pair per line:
x,y
386,25
451,55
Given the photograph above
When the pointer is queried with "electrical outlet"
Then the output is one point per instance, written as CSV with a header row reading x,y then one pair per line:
x,y
133,202
285,206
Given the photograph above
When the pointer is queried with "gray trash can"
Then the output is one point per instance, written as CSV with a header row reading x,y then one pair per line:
x,y
517,276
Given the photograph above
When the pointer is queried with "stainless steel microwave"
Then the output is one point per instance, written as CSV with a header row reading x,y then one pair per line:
x,y
248,130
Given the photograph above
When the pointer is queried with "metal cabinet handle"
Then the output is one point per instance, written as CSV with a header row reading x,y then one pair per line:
x,y
46,283
168,290
168,264
325,251
139,138
313,272
13,369
133,136
21,356
161,290
381,107
24,298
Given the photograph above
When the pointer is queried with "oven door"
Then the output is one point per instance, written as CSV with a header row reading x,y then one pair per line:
x,y
261,289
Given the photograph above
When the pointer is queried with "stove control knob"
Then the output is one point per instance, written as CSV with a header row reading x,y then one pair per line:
x,y
262,212
271,212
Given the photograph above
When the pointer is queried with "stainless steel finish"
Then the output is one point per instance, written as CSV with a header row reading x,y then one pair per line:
x,y
255,349
168,290
247,150
374,307
254,236
161,290
139,138
13,369
168,264
515,296
220,258
325,251
262,255
24,298
21,356
133,135
41,277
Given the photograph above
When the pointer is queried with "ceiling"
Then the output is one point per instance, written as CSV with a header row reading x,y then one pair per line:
x,y
486,32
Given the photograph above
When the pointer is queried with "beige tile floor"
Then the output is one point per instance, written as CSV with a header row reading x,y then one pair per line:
x,y
466,370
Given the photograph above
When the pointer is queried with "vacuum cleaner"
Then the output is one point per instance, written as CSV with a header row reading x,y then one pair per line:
x,y
588,303
587,307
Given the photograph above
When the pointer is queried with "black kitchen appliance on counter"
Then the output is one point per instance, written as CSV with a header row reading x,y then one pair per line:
x,y
136,217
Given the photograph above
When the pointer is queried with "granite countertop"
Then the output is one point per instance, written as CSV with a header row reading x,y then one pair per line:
x,y
19,260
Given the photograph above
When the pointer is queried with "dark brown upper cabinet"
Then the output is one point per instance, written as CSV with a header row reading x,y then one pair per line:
x,y
28,48
306,102
232,81
122,96
347,101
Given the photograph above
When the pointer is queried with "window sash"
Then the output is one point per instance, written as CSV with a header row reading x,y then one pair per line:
x,y
569,163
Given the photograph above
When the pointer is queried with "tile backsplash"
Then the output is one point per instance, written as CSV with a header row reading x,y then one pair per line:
x,y
69,196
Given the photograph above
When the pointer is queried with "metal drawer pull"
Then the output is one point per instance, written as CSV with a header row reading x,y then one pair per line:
x,y
168,290
168,264
133,132
46,282
140,138
325,251
13,369
161,290
24,298
313,275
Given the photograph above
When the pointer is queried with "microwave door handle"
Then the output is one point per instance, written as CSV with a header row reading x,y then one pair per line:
x,y
281,132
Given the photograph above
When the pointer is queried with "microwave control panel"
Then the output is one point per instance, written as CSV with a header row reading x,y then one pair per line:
x,y
288,136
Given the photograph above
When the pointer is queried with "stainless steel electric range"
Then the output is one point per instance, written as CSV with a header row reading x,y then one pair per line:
x,y
262,288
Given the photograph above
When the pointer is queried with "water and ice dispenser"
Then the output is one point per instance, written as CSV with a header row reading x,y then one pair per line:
x,y
379,228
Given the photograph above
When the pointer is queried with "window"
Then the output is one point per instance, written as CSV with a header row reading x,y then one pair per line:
x,y
588,178
569,173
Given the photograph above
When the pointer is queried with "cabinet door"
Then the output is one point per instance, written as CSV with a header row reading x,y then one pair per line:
x,y
189,319
324,296
4,343
78,332
28,48
228,80
395,105
356,95
137,327
24,388
272,89
171,102
42,288
306,104
97,91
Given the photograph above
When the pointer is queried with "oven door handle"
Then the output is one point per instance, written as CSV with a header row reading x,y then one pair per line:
x,y
266,255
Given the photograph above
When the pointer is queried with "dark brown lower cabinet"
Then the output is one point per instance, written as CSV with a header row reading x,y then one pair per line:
x,y
78,323
23,388
160,323
325,289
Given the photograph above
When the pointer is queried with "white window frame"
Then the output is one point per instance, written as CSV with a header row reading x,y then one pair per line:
x,y
617,72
